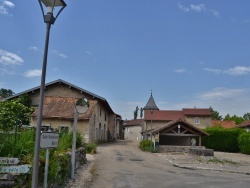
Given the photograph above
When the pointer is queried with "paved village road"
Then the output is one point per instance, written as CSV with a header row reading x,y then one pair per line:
x,y
124,165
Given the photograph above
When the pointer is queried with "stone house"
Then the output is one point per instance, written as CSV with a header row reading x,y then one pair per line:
x,y
199,117
133,129
97,124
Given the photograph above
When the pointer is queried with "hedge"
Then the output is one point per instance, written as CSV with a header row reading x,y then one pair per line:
x,y
221,139
244,142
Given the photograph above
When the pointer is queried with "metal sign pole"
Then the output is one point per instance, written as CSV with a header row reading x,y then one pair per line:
x,y
73,153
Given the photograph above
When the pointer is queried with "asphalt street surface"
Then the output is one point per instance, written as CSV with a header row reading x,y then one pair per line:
x,y
123,165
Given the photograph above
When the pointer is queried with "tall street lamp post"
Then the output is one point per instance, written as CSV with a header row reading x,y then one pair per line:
x,y
151,106
49,19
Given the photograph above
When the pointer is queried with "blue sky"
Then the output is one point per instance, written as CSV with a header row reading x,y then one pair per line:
x,y
190,53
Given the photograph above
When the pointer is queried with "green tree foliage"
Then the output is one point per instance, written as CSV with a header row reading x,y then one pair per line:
x,y
237,120
141,114
13,114
25,100
215,114
136,112
6,92
246,116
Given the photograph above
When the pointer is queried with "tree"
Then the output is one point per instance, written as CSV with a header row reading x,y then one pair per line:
x,y
215,114
246,116
136,112
6,92
141,114
237,120
14,114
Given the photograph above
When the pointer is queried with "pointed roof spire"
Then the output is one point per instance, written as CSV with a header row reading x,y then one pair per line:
x,y
151,104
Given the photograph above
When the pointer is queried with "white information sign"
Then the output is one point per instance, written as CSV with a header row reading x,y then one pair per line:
x,y
49,140
15,169
7,160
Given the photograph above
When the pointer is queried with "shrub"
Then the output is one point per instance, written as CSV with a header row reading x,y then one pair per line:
x,y
221,139
90,148
244,142
145,145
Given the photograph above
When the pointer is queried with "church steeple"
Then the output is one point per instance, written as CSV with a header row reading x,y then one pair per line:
x,y
151,104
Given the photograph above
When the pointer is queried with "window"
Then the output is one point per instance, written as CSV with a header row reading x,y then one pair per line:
x,y
196,120
64,129
45,128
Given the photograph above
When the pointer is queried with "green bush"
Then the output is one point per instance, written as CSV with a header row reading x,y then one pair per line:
x,y
221,139
145,145
244,142
90,148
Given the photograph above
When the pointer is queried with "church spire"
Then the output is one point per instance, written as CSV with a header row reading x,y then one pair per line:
x,y
151,103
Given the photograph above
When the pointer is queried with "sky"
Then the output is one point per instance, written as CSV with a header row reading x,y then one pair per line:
x,y
193,53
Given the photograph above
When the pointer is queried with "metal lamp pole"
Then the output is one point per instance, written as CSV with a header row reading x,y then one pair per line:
x,y
48,19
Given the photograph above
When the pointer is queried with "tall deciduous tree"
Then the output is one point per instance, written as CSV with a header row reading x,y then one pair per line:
x,y
246,116
215,114
141,114
136,112
6,92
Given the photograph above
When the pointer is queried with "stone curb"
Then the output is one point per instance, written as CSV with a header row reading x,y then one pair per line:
x,y
213,169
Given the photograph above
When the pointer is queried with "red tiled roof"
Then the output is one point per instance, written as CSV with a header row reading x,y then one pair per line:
x,y
179,121
163,115
244,124
225,124
134,122
64,108
197,112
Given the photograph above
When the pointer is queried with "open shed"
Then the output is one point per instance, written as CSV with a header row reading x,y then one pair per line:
x,y
177,133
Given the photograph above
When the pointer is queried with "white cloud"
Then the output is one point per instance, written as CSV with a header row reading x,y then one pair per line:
x,y
8,58
198,8
235,71
4,5
33,48
238,70
8,4
33,73
60,54
183,8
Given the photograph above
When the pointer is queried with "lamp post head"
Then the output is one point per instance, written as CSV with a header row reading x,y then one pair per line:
x,y
50,6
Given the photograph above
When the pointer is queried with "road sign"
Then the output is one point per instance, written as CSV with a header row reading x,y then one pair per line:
x,y
49,140
7,160
15,169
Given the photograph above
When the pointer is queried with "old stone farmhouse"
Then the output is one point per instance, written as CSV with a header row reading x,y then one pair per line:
x,y
99,123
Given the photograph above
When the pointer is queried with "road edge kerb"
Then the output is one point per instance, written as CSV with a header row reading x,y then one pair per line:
x,y
203,168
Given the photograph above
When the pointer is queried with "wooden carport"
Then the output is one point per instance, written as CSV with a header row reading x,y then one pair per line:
x,y
177,133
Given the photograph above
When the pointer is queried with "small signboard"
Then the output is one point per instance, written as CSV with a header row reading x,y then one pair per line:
x,y
49,140
10,161
15,169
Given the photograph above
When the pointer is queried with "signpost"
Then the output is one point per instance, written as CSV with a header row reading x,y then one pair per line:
x,y
49,140
15,169
10,161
